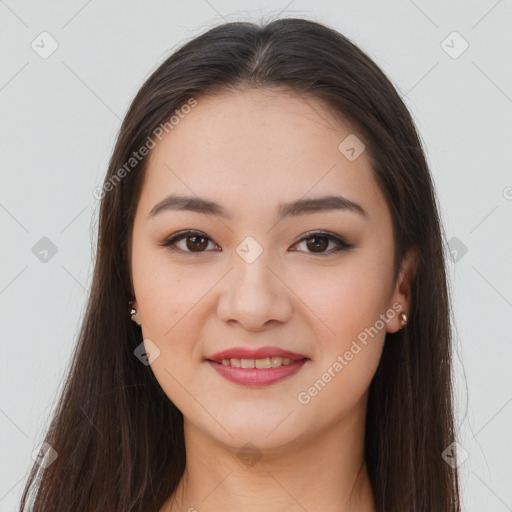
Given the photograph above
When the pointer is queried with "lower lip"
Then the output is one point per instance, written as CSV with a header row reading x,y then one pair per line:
x,y
257,376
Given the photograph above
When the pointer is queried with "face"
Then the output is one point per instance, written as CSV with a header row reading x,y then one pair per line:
x,y
315,282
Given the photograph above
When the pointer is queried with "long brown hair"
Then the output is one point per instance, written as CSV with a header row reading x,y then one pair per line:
x,y
119,438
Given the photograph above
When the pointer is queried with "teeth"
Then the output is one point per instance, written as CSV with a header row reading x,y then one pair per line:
x,y
269,362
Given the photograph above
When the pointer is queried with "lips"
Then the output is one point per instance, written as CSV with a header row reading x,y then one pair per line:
x,y
261,353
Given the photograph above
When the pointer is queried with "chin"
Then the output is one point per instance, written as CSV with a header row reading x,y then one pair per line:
x,y
264,434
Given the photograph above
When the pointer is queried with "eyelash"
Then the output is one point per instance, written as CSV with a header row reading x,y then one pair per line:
x,y
342,245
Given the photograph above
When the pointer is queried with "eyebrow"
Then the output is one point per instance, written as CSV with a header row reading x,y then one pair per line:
x,y
295,208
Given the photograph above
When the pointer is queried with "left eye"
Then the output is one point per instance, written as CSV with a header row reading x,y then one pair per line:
x,y
319,241
197,242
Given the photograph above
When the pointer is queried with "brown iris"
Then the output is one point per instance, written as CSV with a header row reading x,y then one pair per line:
x,y
198,243
322,245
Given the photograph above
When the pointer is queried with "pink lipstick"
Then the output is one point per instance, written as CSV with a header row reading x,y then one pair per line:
x,y
256,367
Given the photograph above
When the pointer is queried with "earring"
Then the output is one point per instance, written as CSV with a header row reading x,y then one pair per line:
x,y
403,319
133,312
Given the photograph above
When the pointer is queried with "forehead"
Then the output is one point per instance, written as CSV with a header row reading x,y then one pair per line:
x,y
253,149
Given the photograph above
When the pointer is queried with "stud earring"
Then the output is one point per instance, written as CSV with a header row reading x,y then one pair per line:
x,y
403,319
133,312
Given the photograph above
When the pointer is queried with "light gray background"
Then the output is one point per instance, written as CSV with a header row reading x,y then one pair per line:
x,y
60,115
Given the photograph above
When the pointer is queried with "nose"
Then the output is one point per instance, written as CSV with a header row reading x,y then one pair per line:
x,y
254,295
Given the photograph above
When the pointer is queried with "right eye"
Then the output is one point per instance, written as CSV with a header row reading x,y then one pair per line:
x,y
195,242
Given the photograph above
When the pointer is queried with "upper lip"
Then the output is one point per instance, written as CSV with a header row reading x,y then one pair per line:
x,y
260,353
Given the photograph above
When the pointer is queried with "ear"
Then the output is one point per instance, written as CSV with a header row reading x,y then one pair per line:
x,y
135,316
401,298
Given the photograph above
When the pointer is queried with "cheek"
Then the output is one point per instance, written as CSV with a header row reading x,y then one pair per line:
x,y
346,303
168,293
174,307
346,298
350,337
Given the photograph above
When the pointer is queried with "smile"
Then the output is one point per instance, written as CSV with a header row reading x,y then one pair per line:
x,y
267,362
257,372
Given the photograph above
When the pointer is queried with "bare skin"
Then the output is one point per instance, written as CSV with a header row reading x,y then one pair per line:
x,y
250,151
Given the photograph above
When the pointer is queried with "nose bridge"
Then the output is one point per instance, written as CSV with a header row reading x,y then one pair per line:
x,y
252,275
253,295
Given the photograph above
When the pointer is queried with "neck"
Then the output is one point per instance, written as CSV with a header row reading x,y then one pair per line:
x,y
323,471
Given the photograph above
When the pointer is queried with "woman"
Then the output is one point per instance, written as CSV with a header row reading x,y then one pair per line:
x,y
268,325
